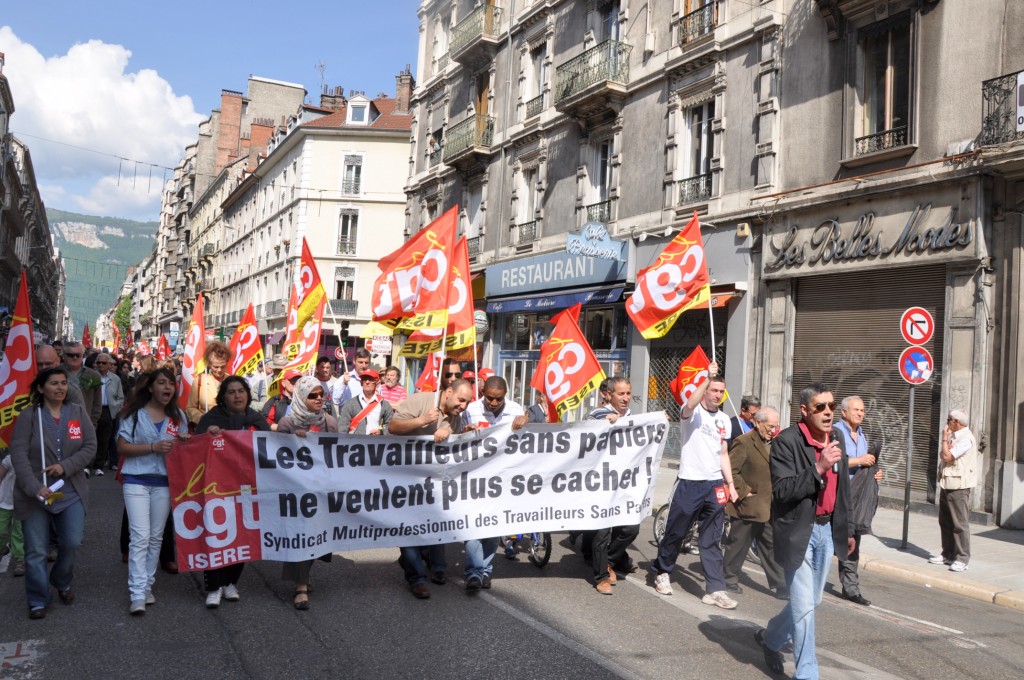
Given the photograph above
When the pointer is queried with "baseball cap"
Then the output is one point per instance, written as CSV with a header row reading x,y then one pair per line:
x,y
369,373
291,374
469,375
486,373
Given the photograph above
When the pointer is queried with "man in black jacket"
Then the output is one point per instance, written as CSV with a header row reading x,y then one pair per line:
x,y
810,518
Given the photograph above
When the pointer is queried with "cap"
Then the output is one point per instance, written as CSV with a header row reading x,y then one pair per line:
x,y
369,373
486,373
469,375
279,361
291,374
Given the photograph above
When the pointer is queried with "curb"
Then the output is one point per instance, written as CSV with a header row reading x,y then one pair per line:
x,y
932,578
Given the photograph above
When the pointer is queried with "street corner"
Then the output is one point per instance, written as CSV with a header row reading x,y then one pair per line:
x,y
17,658
935,577
1011,599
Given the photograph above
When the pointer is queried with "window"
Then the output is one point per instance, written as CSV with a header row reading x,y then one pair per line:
x,y
474,210
344,283
536,79
598,208
357,114
696,152
886,58
351,183
609,17
348,230
526,197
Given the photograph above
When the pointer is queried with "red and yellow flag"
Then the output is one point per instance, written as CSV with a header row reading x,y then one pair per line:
x,y
18,365
117,335
309,287
414,279
461,331
163,348
304,360
246,348
428,380
291,335
676,282
86,337
568,370
192,363
692,372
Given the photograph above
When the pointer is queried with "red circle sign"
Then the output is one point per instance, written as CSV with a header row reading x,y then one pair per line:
x,y
916,365
917,325
339,353
368,345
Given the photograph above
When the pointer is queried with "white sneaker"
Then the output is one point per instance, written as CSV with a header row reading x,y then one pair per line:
x,y
958,566
98,472
213,598
138,607
231,592
87,472
720,599
150,597
663,584
938,559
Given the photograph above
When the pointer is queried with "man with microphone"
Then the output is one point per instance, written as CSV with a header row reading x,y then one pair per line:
x,y
811,522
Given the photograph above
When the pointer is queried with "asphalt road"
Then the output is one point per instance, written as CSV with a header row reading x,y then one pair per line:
x,y
534,623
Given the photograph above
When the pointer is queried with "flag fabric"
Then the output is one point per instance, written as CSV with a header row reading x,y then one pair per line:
x,y
86,337
192,363
304,360
676,282
18,365
309,288
692,372
414,279
246,348
163,348
117,335
291,335
428,380
568,370
461,329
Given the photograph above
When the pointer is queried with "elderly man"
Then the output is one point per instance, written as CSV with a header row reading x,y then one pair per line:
x,y
87,379
367,413
703,488
47,357
958,474
810,517
743,421
112,395
860,462
390,390
418,415
348,386
750,514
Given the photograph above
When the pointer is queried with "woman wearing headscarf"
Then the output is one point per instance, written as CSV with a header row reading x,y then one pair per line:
x,y
305,415
232,412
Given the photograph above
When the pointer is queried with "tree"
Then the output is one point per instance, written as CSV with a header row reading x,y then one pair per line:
x,y
123,316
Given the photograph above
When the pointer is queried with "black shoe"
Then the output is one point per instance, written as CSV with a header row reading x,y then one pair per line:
x,y
485,582
858,599
474,584
37,613
439,577
781,593
772,659
734,587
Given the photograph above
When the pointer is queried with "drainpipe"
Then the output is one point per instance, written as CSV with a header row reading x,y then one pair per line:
x,y
505,121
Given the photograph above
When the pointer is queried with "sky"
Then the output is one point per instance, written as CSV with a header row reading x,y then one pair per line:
x,y
108,94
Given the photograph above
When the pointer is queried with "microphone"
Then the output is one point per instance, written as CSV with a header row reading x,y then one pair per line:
x,y
832,438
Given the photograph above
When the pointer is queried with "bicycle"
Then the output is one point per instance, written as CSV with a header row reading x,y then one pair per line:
x,y
690,544
536,545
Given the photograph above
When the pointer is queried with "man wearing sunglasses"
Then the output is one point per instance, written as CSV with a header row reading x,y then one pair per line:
x,y
811,522
450,370
87,379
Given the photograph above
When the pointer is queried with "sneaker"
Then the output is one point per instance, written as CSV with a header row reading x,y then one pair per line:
x,y
720,599
510,549
18,567
958,566
138,608
939,559
150,597
87,472
663,584
485,582
474,584
213,598
231,593
98,472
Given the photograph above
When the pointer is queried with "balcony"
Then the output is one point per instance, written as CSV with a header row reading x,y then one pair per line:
x,y
475,38
695,189
346,245
274,308
534,106
881,141
441,64
526,233
691,27
468,142
474,245
598,212
343,307
999,110
351,187
435,157
208,250
595,81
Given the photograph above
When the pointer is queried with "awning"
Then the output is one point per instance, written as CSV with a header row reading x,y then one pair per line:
x,y
722,299
546,302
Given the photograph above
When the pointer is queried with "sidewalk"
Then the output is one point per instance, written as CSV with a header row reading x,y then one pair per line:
x,y
995,574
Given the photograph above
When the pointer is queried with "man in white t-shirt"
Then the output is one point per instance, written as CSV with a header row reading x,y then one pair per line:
x,y
704,486
492,408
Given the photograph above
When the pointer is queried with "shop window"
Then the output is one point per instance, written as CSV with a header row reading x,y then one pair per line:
x,y
517,332
604,329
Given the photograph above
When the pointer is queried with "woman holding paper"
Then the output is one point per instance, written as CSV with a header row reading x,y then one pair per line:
x,y
305,415
150,423
232,412
53,444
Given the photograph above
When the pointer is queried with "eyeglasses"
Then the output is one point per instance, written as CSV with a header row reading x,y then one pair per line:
x,y
818,408
69,355
316,395
452,375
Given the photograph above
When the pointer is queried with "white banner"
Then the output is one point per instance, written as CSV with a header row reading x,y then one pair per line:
x,y
257,495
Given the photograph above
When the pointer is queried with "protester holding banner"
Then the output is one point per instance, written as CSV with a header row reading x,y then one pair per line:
x,y
150,423
232,412
492,408
204,392
305,415
367,413
52,445
347,386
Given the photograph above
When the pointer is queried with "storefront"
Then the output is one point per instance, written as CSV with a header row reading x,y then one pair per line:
x,y
837,278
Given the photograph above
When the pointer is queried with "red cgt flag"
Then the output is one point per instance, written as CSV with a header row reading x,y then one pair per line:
x,y
676,282
246,348
461,331
18,365
86,337
117,335
568,370
692,372
195,347
291,335
310,290
163,348
428,380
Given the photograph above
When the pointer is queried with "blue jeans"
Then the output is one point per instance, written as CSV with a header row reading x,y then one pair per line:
x,y
411,561
796,620
479,555
70,525
147,508
692,501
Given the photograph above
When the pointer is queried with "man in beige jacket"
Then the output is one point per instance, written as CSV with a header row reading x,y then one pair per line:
x,y
958,474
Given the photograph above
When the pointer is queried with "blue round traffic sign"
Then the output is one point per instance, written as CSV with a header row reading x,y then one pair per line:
x,y
916,365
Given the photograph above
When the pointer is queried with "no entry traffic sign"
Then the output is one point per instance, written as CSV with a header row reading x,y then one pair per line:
x,y
916,365
917,325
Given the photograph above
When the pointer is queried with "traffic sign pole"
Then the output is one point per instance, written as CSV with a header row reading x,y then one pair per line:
x,y
906,485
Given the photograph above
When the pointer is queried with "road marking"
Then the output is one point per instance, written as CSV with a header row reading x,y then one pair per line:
x,y
19,653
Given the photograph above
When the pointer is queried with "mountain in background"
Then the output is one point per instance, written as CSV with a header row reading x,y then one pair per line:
x,y
97,253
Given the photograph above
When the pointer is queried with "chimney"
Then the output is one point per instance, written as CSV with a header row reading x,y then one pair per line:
x,y
333,100
404,85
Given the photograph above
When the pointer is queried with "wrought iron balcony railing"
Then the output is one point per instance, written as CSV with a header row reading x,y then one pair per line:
x,y
473,131
474,245
535,106
698,23
441,63
346,245
350,187
344,307
999,110
696,188
480,22
607,61
526,233
435,157
599,212
881,141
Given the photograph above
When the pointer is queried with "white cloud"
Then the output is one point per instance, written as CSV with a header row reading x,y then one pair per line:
x,y
86,98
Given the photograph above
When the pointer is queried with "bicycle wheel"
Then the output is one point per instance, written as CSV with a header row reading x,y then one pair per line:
x,y
540,548
660,517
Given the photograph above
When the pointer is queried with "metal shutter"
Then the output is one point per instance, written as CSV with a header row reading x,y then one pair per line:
x,y
848,336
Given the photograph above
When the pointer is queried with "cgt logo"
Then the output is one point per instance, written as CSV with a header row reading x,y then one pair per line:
x,y
74,430
218,443
217,527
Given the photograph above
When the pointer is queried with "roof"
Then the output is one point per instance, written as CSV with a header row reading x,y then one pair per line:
x,y
386,119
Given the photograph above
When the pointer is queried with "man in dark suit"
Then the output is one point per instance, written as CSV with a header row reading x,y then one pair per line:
x,y
743,422
748,516
811,522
